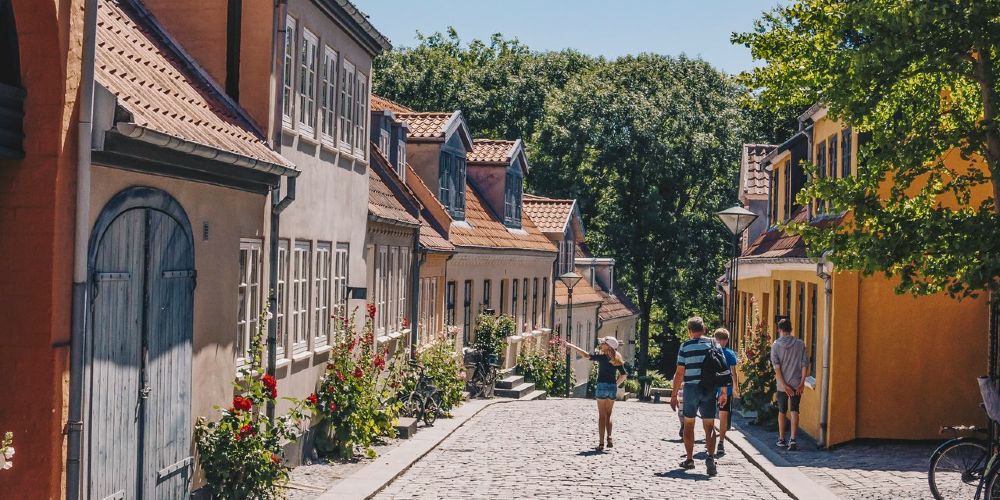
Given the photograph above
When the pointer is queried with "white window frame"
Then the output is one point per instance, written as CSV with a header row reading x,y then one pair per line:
x,y
392,291
281,296
401,159
361,115
381,294
299,305
328,92
340,288
308,72
404,273
288,78
322,278
248,297
345,123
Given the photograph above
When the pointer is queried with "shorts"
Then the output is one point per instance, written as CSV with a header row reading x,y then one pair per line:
x,y
783,402
606,390
728,407
698,400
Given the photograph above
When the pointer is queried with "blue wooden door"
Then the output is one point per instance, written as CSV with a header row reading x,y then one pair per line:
x,y
140,406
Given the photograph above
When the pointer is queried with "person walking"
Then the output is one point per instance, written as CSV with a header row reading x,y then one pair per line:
x,y
732,389
610,374
697,398
788,357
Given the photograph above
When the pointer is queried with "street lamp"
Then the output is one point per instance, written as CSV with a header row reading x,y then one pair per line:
x,y
569,279
737,219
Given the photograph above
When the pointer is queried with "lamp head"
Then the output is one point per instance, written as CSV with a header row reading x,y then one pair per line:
x,y
570,279
736,219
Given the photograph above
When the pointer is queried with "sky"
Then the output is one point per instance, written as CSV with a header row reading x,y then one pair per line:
x,y
698,28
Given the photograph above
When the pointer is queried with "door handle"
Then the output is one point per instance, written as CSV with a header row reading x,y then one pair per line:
x,y
144,392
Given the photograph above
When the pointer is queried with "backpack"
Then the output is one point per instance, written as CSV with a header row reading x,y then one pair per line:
x,y
715,371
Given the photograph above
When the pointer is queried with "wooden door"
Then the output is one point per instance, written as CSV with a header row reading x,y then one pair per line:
x,y
140,396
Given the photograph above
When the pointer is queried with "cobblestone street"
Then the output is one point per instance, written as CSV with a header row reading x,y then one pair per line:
x,y
544,449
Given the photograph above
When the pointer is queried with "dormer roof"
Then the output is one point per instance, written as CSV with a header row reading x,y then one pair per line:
x,y
755,180
436,126
554,216
498,152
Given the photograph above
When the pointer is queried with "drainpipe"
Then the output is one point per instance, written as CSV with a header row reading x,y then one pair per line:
x,y
77,379
278,205
419,257
824,388
552,296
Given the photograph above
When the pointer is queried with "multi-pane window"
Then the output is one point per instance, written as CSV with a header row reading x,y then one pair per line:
x,y
451,183
445,167
347,109
322,279
467,313
403,284
458,211
360,113
512,198
513,299
487,293
832,156
401,159
287,106
308,61
428,308
339,287
383,141
328,96
545,301
503,296
788,189
567,257
534,302
775,182
846,154
299,312
449,314
812,328
281,289
800,289
249,297
788,298
524,305
821,169
381,291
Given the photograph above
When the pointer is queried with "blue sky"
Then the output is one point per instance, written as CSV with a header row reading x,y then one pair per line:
x,y
608,28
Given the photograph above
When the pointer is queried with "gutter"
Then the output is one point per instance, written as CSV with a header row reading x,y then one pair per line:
x,y
419,257
824,388
156,138
78,325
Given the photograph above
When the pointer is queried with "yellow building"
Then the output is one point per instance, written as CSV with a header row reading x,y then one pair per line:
x,y
899,367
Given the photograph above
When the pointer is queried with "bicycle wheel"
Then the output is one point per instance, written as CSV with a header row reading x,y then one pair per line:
x,y
489,382
956,468
411,406
430,410
991,482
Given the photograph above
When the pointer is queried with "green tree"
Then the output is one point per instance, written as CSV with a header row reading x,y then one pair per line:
x,y
919,79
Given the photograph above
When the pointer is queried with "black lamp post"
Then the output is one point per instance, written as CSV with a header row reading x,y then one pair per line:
x,y
737,219
569,279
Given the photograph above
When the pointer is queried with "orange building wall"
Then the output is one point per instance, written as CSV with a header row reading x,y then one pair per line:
x,y
36,220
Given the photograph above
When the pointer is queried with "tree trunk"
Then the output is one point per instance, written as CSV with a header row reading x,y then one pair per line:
x,y
985,76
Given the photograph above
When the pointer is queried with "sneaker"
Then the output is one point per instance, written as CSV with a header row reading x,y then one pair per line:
x,y
688,463
792,445
720,450
710,466
781,443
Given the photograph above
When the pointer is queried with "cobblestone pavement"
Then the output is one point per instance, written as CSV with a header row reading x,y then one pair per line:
x,y
544,449
866,469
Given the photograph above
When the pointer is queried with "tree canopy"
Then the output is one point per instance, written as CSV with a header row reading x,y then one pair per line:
x,y
920,79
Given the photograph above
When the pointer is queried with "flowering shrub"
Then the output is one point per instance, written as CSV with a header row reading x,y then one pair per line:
x,y
492,332
758,387
356,396
545,366
444,368
241,453
7,451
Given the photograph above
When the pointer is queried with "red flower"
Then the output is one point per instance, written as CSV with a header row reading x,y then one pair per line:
x,y
270,384
354,343
379,362
312,399
358,373
371,311
406,323
275,459
333,407
340,376
241,403
246,430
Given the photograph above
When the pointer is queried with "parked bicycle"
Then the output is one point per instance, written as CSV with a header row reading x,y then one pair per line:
x,y
966,467
484,369
424,401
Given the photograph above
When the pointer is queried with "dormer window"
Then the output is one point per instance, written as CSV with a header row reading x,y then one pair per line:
x,y
401,159
451,191
512,198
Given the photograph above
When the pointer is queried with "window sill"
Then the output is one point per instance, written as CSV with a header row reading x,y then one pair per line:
x,y
302,356
306,136
323,349
395,335
513,339
382,339
811,382
545,330
283,362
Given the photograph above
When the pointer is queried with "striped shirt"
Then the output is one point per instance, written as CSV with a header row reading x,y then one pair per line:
x,y
691,356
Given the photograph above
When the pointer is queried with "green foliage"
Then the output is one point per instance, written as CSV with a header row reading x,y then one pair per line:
x,y
492,332
921,79
592,381
758,387
659,380
632,386
445,370
545,366
356,396
241,453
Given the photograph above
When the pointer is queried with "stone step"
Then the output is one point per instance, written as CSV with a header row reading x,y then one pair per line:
x,y
509,382
535,395
465,395
516,392
406,427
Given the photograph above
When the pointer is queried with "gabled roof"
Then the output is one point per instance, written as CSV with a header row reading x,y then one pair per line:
x,y
380,103
614,306
356,24
755,181
498,152
431,239
552,215
482,229
383,201
776,243
436,126
583,293
164,92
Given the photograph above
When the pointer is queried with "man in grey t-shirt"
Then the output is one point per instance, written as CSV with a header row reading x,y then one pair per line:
x,y
788,356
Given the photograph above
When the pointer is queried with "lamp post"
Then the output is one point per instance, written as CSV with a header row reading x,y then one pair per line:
x,y
569,279
737,219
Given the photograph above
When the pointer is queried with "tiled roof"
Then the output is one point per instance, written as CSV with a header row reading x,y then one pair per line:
x,y
756,180
153,84
482,230
382,201
583,293
491,151
583,251
380,103
614,306
551,215
430,238
775,243
425,125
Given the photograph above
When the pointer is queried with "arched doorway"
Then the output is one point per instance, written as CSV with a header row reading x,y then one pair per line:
x,y
139,350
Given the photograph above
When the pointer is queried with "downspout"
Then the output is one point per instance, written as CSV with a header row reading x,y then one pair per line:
x,y
81,243
552,296
419,257
278,205
824,388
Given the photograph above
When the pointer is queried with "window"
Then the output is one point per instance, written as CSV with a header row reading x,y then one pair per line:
x,y
800,289
428,308
360,114
340,290
321,287
449,315
513,184
451,183
287,106
503,296
487,293
249,297
846,153
788,299
281,288
821,169
590,334
307,81
513,301
775,182
444,179
328,94
403,284
524,306
467,316
534,303
545,301
788,189
381,294
832,156
346,124
777,303
299,313
812,328
401,159
567,248
383,142
458,211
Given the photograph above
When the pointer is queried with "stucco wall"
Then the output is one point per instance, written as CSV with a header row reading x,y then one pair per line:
x,y
623,329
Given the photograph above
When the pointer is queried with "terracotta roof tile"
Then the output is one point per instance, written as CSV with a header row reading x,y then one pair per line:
x,y
430,238
425,125
776,243
384,204
380,103
481,229
551,215
583,293
614,306
756,181
491,151
152,83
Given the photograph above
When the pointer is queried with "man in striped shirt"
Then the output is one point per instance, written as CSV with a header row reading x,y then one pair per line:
x,y
697,399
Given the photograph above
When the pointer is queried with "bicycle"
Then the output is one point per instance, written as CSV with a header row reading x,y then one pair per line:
x,y
957,466
424,401
484,374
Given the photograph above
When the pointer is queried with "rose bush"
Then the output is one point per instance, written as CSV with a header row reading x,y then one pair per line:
x,y
757,388
545,366
444,367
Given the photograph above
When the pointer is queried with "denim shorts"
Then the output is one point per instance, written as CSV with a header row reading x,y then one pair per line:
x,y
606,390
698,400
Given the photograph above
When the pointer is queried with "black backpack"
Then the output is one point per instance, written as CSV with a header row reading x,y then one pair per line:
x,y
715,371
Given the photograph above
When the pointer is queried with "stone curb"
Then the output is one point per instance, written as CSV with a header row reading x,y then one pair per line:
x,y
367,481
788,477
